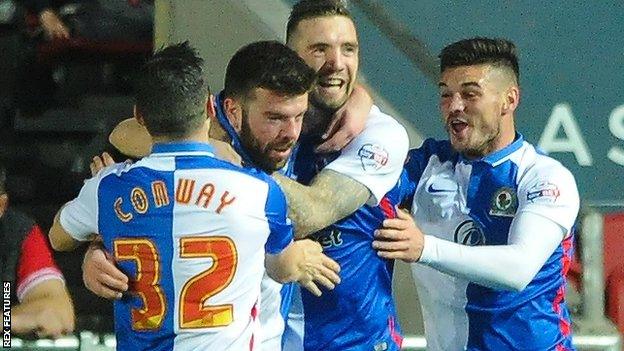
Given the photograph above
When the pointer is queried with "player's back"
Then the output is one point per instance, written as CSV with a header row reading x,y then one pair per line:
x,y
190,231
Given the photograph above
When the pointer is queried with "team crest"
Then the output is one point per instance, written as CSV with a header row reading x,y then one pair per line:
x,y
504,203
373,157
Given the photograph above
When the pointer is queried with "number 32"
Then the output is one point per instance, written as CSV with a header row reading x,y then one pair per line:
x,y
193,312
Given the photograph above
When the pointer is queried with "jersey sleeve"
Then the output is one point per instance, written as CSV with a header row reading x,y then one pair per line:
x,y
79,217
550,191
36,263
280,227
375,158
415,165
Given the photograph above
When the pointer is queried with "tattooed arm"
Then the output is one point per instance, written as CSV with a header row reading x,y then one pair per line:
x,y
329,198
367,168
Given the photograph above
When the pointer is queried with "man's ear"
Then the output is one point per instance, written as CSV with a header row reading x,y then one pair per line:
x,y
210,106
511,100
234,112
138,115
4,203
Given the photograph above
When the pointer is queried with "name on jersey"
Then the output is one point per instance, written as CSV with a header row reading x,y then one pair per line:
x,y
208,197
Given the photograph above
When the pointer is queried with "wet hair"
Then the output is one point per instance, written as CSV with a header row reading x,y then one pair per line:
x,y
270,65
476,51
171,91
306,9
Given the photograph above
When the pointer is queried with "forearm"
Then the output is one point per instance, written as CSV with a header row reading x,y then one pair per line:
x,y
60,240
509,267
307,211
329,198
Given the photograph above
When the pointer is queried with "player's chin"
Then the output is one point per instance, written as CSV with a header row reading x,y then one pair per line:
x,y
330,100
278,163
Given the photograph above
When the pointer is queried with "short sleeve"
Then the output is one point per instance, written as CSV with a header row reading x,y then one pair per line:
x,y
550,191
79,217
375,158
36,263
280,227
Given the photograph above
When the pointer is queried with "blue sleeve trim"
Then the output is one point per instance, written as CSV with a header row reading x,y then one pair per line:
x,y
281,231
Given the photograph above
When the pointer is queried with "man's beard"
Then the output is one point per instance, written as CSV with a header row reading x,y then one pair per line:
x,y
323,103
259,155
485,147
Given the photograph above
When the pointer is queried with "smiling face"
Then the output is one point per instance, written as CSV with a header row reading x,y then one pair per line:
x,y
270,125
477,104
329,45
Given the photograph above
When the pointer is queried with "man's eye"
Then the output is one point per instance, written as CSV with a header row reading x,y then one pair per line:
x,y
350,49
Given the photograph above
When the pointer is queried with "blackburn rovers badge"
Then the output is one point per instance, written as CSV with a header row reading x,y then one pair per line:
x,y
504,203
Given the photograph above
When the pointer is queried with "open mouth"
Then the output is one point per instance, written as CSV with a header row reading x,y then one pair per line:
x,y
282,150
458,126
331,83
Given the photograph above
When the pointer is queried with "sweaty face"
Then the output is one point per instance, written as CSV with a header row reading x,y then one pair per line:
x,y
471,100
329,45
271,124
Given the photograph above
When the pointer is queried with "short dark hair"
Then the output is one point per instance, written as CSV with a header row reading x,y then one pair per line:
x,y
476,51
171,91
270,65
306,9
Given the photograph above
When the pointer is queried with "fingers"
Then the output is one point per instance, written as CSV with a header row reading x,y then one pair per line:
x,y
100,162
338,141
311,287
394,255
108,160
331,264
334,125
112,282
399,223
391,234
96,165
329,274
104,291
104,285
101,261
391,245
121,280
101,276
324,280
402,213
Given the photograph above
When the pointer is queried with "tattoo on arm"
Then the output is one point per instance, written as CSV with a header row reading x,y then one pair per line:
x,y
330,197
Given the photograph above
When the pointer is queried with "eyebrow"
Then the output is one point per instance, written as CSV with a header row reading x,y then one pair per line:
x,y
322,44
318,45
464,85
281,115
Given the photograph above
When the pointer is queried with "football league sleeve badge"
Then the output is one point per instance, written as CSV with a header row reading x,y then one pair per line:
x,y
504,203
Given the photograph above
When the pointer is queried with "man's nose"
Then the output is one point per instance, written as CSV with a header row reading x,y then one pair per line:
x,y
291,129
457,104
335,60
